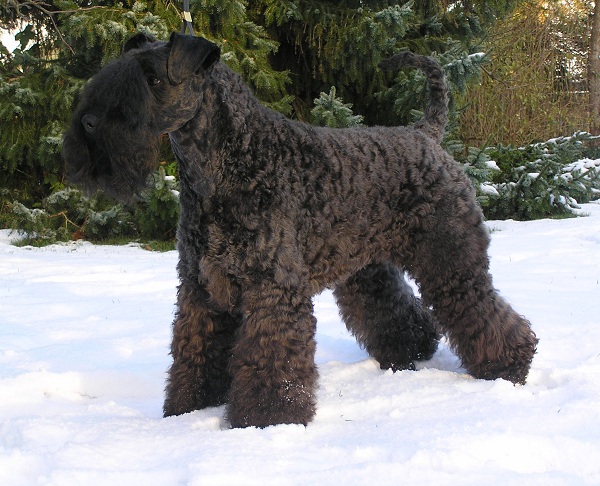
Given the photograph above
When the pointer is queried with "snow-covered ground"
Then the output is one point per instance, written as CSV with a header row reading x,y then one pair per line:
x,y
84,336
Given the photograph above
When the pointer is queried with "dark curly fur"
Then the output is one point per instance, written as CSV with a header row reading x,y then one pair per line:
x,y
372,304
274,211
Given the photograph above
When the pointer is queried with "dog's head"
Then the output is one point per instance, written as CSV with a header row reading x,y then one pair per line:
x,y
153,88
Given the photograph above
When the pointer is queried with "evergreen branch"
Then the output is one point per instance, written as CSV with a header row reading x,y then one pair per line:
x,y
45,9
62,38
64,215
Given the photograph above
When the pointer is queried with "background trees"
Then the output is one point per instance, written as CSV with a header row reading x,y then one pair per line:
x,y
288,51
594,72
531,85
534,86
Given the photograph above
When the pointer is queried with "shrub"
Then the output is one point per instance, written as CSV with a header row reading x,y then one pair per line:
x,y
158,216
548,179
67,214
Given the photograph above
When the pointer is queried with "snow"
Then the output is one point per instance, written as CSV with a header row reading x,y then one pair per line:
x,y
7,37
492,165
488,188
477,55
583,166
84,337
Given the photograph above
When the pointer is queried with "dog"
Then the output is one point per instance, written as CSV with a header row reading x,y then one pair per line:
x,y
274,211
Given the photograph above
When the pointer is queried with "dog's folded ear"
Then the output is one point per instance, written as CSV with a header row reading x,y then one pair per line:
x,y
190,55
138,41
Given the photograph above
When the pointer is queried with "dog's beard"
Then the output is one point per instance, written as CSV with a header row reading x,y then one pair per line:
x,y
121,172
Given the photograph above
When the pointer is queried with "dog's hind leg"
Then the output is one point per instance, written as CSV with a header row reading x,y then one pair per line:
x,y
201,349
450,263
388,320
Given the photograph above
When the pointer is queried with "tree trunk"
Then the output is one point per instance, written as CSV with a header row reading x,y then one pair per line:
x,y
594,72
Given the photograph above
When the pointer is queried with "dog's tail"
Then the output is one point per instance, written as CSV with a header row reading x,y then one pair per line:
x,y
436,113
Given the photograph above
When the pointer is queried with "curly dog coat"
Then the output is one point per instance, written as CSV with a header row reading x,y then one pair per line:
x,y
273,211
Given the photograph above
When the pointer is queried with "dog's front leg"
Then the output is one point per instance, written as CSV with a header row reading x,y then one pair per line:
x,y
201,349
273,371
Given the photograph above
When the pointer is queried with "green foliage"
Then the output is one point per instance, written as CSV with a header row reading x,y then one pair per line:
x,y
63,43
540,180
339,42
325,44
246,47
330,111
36,225
291,53
94,35
157,218
478,166
30,140
67,214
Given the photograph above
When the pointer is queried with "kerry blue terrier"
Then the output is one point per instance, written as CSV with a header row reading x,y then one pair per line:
x,y
273,211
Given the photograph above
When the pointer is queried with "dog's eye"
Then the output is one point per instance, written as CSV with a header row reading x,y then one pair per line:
x,y
152,80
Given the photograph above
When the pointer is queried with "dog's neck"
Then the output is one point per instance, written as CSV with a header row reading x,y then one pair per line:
x,y
222,130
234,109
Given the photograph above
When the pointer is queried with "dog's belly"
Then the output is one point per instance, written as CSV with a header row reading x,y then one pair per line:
x,y
345,251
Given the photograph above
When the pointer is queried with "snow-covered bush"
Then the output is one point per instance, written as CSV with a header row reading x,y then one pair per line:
x,y
67,214
157,217
543,179
36,225
548,179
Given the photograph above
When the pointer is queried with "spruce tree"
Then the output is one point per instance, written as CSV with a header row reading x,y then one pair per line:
x,y
64,42
331,111
290,52
543,179
327,43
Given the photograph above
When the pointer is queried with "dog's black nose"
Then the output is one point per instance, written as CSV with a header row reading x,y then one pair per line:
x,y
89,122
